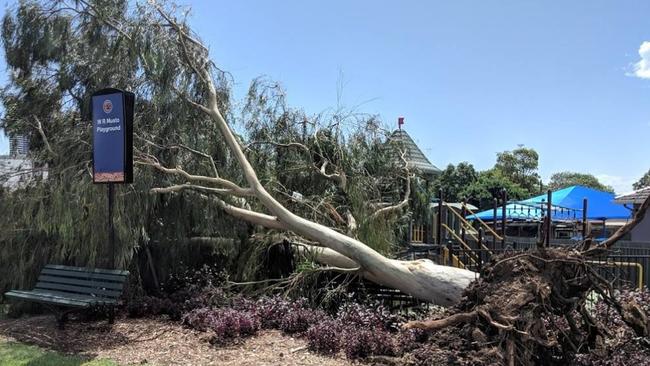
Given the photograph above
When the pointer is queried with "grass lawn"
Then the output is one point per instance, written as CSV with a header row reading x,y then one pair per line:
x,y
17,354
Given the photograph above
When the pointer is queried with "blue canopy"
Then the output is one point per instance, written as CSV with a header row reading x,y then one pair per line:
x,y
566,205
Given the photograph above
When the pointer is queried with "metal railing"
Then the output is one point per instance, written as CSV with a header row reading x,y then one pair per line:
x,y
482,223
622,271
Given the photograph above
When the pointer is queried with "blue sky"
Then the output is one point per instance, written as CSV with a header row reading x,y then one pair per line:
x,y
472,78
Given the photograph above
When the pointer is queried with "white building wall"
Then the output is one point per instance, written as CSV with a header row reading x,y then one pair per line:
x,y
15,172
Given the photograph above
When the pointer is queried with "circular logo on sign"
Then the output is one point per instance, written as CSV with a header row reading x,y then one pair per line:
x,y
107,106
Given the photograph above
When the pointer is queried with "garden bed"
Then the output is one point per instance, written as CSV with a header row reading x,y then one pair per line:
x,y
158,342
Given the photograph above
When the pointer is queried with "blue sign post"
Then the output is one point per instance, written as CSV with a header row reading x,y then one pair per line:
x,y
112,115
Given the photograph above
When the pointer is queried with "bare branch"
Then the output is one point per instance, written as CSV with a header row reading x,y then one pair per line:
x,y
231,187
180,187
98,15
258,218
407,194
339,177
176,26
39,127
200,153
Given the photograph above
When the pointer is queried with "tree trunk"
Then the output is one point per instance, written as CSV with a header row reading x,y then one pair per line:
x,y
442,285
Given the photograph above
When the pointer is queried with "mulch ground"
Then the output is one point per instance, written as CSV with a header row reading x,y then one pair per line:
x,y
158,342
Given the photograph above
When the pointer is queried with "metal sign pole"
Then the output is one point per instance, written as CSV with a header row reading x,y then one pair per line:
x,y
111,229
112,116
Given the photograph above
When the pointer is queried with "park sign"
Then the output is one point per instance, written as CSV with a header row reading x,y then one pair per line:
x,y
112,114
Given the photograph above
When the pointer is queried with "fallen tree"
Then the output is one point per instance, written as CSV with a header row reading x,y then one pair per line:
x,y
421,278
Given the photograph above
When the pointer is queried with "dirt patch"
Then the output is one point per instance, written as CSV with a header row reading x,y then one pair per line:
x,y
159,342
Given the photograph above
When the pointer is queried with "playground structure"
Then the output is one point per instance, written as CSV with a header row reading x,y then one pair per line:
x,y
457,236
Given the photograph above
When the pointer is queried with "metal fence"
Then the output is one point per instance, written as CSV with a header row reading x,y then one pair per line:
x,y
623,266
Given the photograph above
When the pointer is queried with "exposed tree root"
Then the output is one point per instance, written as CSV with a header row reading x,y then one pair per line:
x,y
535,307
442,323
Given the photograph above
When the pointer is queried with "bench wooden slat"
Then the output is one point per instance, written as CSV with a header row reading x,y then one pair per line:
x,y
74,297
116,272
83,275
28,295
80,282
77,289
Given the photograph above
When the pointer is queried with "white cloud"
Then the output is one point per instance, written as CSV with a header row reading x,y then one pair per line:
x,y
642,68
620,184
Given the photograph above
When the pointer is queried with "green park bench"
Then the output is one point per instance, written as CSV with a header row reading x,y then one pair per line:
x,y
64,289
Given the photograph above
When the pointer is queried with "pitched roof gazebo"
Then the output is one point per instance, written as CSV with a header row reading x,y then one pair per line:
x,y
415,158
418,162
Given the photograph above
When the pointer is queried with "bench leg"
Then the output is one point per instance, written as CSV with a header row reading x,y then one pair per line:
x,y
111,315
61,318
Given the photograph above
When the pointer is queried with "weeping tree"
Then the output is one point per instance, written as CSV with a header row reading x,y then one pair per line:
x,y
57,59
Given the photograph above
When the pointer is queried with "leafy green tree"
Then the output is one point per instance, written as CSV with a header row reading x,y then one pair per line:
x,y
568,179
520,166
643,182
455,179
489,185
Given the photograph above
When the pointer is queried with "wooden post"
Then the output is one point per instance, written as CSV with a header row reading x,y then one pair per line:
x,y
439,219
445,233
428,235
584,218
494,223
480,249
549,217
504,198
462,226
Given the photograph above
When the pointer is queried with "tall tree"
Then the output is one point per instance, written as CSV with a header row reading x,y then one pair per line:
x,y
489,185
520,166
56,60
643,182
454,180
568,179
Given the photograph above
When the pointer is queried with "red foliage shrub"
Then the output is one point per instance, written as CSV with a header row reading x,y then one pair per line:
x,y
324,337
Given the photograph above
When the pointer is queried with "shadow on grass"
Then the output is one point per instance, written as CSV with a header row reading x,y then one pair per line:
x,y
78,337
17,354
